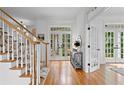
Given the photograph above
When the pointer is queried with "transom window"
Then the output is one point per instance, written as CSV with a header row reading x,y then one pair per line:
x,y
60,28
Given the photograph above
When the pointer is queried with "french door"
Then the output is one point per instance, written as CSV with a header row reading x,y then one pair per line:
x,y
60,46
114,45
93,36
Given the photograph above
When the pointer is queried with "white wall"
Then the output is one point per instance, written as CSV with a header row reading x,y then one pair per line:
x,y
43,25
113,19
80,30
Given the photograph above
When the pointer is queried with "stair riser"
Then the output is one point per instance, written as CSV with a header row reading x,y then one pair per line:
x,y
3,57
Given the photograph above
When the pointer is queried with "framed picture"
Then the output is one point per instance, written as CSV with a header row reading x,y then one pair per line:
x,y
41,36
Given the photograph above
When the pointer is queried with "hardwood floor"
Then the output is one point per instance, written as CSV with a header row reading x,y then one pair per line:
x,y
62,73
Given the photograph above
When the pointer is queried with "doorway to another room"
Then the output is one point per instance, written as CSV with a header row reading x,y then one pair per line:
x,y
60,42
114,43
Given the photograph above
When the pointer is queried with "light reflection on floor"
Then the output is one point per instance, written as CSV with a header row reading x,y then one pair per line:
x,y
117,65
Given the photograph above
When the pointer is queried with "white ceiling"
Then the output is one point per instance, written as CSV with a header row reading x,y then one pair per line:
x,y
43,12
114,11
70,13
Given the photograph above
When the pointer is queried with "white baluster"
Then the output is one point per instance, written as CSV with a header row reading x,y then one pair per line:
x,y
8,54
32,64
12,45
30,57
37,49
26,63
17,50
38,64
21,51
1,30
3,36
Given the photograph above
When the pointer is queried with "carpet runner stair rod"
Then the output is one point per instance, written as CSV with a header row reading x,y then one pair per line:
x,y
19,46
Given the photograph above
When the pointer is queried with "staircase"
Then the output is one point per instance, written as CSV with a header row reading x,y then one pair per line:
x,y
21,53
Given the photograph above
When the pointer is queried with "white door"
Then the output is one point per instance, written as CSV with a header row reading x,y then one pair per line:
x,y
119,46
114,45
94,65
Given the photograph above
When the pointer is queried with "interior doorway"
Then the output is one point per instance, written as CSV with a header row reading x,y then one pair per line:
x,y
60,43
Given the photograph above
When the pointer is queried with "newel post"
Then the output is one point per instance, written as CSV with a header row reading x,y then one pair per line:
x,y
34,32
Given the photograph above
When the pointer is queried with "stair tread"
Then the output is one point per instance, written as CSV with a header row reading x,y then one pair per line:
x,y
18,68
3,53
26,76
8,60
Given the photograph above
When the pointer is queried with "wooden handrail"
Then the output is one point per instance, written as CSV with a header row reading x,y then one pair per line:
x,y
41,41
22,33
19,31
16,21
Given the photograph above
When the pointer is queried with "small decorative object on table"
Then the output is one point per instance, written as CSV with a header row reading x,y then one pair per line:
x,y
76,55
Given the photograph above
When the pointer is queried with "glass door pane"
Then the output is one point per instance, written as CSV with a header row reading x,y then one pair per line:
x,y
109,46
94,65
120,47
60,44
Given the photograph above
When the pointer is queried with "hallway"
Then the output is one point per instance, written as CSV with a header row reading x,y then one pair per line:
x,y
62,73
75,34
